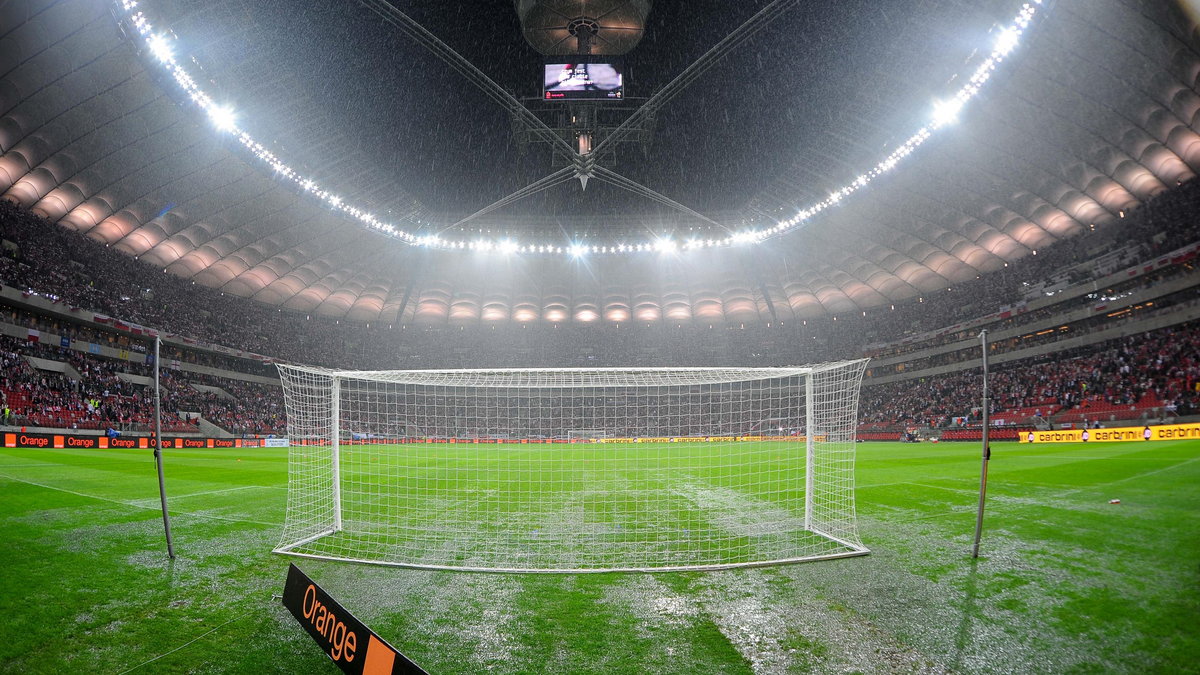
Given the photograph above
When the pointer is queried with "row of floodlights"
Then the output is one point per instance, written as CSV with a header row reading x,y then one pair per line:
x,y
224,118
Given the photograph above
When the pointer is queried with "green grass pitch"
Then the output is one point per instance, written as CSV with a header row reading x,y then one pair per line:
x,y
1066,583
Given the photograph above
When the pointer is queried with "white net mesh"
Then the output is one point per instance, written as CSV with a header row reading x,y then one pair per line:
x,y
572,470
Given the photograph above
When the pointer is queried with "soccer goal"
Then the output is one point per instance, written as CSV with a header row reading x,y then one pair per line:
x,y
586,435
572,470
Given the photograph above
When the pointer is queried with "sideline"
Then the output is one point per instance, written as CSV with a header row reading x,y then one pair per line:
x,y
135,505
207,492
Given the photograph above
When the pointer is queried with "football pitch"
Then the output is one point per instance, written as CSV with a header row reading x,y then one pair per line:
x,y
1066,581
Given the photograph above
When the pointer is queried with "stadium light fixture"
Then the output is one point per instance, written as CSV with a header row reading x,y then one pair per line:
x,y
224,119
1007,41
160,46
746,237
945,112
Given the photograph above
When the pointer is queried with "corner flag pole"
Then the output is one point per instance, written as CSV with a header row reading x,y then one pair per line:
x,y
987,450
162,487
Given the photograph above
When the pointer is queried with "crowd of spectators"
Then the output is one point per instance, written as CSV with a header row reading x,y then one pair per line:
x,y
95,400
241,408
63,265
1162,224
968,351
87,392
1154,375
1150,375
1099,299
79,332
39,257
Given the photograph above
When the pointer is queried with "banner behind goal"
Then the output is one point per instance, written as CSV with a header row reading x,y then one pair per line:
x,y
572,470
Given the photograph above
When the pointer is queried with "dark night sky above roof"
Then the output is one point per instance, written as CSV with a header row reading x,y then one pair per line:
x,y
794,112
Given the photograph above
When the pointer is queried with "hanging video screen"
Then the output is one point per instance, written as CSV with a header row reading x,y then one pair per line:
x,y
575,81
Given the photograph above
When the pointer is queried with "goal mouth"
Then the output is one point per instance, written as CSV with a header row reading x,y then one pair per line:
x,y
572,470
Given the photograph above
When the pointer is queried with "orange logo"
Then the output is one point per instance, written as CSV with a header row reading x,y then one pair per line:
x,y
342,641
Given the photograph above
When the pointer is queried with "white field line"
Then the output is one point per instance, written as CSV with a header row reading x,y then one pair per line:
x,y
1135,476
1120,457
1008,458
135,504
26,466
940,487
209,492
905,482
875,485
1096,486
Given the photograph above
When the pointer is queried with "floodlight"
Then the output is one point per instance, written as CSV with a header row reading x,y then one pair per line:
x,y
223,117
946,112
160,43
1006,41
161,48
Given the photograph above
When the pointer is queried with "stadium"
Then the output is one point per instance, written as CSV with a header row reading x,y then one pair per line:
x,y
573,336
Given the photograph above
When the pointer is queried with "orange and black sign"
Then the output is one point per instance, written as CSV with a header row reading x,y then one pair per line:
x,y
344,639
102,442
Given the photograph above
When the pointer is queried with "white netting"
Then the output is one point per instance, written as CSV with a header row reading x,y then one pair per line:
x,y
572,469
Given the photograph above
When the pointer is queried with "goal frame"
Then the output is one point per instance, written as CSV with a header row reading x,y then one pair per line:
x,y
851,545
578,435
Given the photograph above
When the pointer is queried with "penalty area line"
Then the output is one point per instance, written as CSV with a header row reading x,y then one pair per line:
x,y
1135,476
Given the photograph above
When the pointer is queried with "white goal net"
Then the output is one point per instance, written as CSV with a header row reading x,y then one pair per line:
x,y
572,470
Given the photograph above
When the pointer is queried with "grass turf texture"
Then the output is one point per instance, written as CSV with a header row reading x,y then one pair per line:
x,y
1066,582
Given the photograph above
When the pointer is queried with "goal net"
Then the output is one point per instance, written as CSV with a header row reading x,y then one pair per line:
x,y
572,470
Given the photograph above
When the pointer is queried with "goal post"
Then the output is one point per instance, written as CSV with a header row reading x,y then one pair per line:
x,y
572,470
586,435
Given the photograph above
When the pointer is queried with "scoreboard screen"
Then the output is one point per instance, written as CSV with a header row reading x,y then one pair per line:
x,y
577,81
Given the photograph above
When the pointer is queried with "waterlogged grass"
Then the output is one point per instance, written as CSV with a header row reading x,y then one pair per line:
x,y
1066,582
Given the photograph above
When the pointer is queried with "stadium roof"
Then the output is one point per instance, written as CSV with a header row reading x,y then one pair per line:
x,y
1095,111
